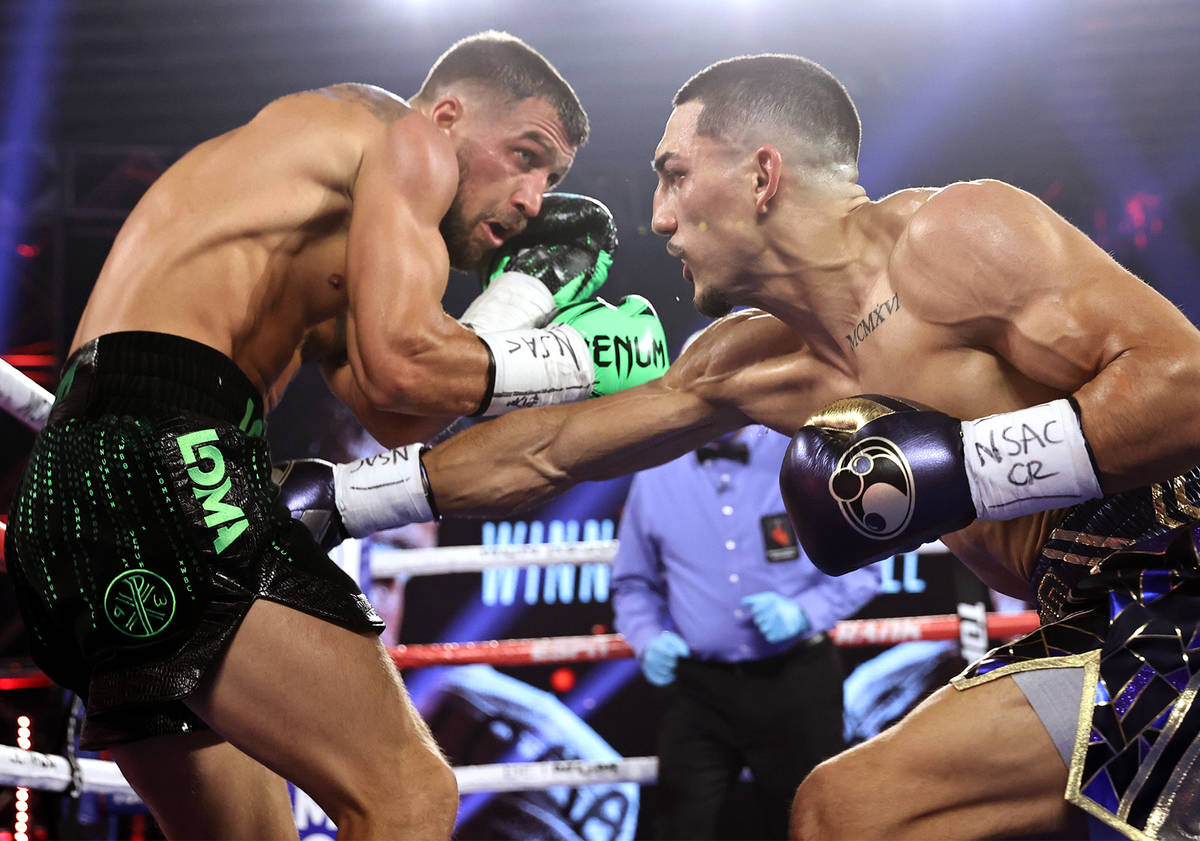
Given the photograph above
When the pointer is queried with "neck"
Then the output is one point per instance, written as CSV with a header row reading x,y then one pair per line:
x,y
818,268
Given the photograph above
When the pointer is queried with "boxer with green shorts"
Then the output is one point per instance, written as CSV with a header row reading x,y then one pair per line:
x,y
219,651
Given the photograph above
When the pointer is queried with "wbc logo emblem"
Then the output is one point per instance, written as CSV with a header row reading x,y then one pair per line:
x,y
873,485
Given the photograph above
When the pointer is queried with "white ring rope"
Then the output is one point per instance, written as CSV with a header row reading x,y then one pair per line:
x,y
22,398
52,773
387,562
525,776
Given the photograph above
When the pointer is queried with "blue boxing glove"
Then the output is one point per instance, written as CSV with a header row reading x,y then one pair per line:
x,y
869,477
778,618
660,656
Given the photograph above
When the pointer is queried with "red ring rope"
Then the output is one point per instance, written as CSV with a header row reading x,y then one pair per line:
x,y
547,650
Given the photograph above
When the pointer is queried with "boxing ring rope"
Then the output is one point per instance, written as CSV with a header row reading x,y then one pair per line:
x,y
387,562
53,773
30,403
546,651
22,398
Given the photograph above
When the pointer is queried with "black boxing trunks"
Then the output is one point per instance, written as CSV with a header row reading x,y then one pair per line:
x,y
145,526
1118,592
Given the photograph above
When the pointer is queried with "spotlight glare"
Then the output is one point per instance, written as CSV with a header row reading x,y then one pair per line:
x,y
23,721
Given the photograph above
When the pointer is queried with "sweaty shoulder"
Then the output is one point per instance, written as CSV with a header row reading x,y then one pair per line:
x,y
756,363
975,249
351,106
372,125
729,344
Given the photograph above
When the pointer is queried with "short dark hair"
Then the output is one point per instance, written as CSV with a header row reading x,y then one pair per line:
x,y
507,63
794,93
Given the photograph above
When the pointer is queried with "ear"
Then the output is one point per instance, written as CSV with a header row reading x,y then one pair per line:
x,y
447,111
768,168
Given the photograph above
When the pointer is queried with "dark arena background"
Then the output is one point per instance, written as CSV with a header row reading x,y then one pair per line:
x,y
1092,105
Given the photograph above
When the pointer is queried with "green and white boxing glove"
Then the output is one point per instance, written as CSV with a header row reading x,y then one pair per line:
x,y
561,258
627,343
591,349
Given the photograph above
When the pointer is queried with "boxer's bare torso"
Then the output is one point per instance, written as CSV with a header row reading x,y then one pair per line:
x,y
967,328
241,245
314,232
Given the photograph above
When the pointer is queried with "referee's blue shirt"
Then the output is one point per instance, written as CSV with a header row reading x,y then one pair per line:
x,y
695,537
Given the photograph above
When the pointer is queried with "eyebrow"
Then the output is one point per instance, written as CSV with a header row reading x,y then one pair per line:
x,y
539,138
661,161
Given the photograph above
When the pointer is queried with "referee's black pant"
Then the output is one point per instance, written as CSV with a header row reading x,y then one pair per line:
x,y
779,717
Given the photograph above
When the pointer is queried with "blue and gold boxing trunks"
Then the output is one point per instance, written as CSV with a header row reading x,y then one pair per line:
x,y
145,526
1118,593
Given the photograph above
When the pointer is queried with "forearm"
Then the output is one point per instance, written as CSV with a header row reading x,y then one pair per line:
x,y
441,371
639,612
526,457
390,429
1139,417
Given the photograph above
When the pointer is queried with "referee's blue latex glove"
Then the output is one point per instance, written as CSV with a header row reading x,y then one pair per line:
x,y
660,655
778,618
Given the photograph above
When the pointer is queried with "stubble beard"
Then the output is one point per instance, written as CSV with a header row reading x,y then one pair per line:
x,y
466,253
712,303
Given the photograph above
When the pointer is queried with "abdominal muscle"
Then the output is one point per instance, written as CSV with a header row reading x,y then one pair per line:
x,y
1003,553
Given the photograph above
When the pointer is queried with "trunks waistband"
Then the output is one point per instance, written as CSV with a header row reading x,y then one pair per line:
x,y
1076,550
136,371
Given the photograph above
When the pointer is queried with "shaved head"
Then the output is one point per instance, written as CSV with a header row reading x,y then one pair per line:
x,y
784,100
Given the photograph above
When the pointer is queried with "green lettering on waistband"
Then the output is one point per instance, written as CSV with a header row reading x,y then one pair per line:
x,y
254,429
67,381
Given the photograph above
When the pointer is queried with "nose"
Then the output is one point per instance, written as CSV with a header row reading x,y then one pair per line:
x,y
528,198
662,218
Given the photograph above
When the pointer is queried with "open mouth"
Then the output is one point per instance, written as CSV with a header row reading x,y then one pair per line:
x,y
496,233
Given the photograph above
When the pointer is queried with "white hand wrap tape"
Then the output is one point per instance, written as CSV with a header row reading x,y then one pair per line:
x,y
1029,460
511,301
382,491
539,367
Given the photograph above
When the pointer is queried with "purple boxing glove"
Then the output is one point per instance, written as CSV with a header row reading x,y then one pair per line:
x,y
870,477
